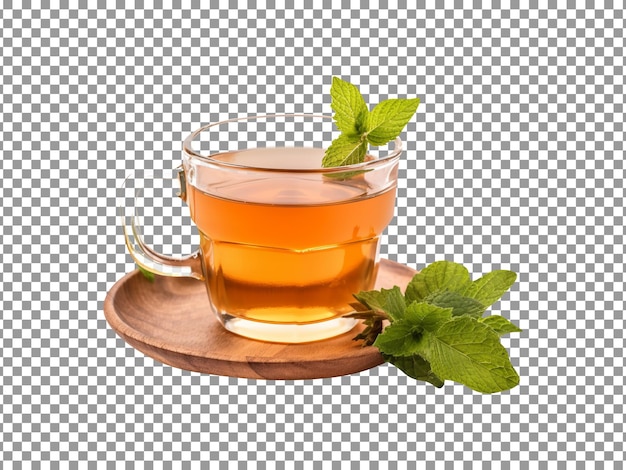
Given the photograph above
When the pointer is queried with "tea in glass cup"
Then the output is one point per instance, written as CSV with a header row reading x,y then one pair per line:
x,y
284,243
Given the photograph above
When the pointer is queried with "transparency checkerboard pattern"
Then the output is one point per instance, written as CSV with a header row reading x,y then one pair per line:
x,y
514,160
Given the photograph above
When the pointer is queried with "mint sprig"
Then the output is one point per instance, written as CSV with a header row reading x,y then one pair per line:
x,y
349,106
345,150
437,330
359,127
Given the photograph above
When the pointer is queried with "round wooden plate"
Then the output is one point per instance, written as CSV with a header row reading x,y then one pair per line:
x,y
170,320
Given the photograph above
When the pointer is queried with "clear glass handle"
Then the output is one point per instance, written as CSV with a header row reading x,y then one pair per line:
x,y
134,190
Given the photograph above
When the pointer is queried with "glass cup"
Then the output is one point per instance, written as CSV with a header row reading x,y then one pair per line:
x,y
284,243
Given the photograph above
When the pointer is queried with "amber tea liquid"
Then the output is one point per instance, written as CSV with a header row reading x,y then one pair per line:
x,y
274,253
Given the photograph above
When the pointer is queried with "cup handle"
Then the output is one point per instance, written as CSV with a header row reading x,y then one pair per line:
x,y
142,254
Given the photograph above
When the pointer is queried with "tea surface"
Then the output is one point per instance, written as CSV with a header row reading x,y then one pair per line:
x,y
294,259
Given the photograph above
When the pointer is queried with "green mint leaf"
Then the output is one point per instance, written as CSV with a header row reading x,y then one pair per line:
x,y
394,303
500,325
349,106
401,338
388,118
374,327
426,316
459,304
360,307
389,301
437,276
359,126
372,299
345,150
147,274
469,352
416,367
437,331
489,288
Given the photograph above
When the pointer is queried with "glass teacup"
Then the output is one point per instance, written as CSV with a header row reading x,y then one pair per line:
x,y
284,243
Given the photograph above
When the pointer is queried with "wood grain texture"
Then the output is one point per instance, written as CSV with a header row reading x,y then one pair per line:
x,y
170,320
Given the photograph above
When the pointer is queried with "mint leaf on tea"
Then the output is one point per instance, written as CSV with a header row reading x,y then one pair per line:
x,y
388,118
360,127
345,150
349,106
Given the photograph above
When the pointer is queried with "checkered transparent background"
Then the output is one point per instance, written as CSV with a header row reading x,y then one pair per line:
x,y
515,161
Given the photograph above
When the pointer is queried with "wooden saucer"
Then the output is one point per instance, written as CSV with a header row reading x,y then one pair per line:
x,y
170,320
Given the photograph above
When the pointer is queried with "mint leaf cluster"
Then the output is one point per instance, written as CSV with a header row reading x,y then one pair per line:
x,y
359,127
438,330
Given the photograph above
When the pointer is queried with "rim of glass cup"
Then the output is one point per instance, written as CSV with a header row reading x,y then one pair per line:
x,y
394,152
